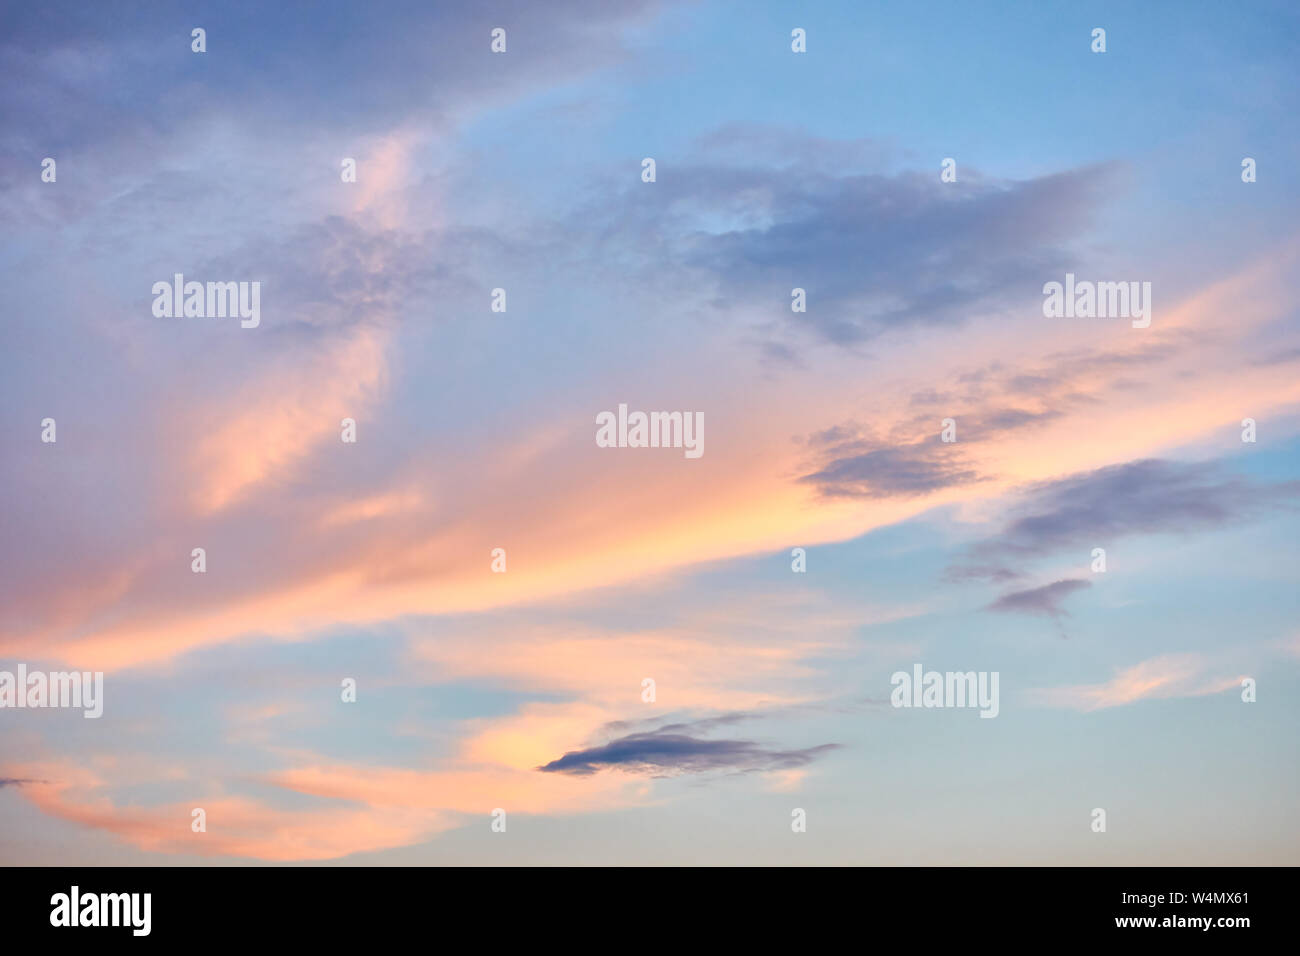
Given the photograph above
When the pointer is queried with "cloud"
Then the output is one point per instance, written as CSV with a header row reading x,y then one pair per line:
x,y
877,252
748,213
1159,678
15,782
284,419
972,572
1149,496
1045,600
663,753
898,471
858,464
1140,497
702,725
242,827
353,808
83,66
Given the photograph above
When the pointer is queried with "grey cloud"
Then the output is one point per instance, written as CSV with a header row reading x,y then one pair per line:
x,y
995,398
114,91
1045,600
992,573
356,65
853,462
1141,497
894,471
874,251
700,726
1090,509
663,752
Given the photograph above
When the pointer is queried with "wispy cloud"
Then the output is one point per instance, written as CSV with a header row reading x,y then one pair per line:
x,y
886,471
663,752
1044,600
1092,508
880,250
1141,497
1159,678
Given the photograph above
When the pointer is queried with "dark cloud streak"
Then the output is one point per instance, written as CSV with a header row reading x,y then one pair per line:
x,y
666,753
1045,600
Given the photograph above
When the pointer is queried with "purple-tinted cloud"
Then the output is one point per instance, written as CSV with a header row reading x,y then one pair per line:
x,y
663,752
1045,600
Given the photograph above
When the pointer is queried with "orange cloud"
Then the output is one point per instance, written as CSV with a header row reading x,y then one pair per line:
x,y
236,826
283,417
574,517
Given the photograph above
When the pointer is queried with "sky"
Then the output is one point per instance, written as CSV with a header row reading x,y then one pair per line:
x,y
358,676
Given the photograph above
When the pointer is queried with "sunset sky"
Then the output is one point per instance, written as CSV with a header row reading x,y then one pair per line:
x,y
372,561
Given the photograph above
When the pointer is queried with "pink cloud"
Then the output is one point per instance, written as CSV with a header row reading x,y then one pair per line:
x,y
1159,678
